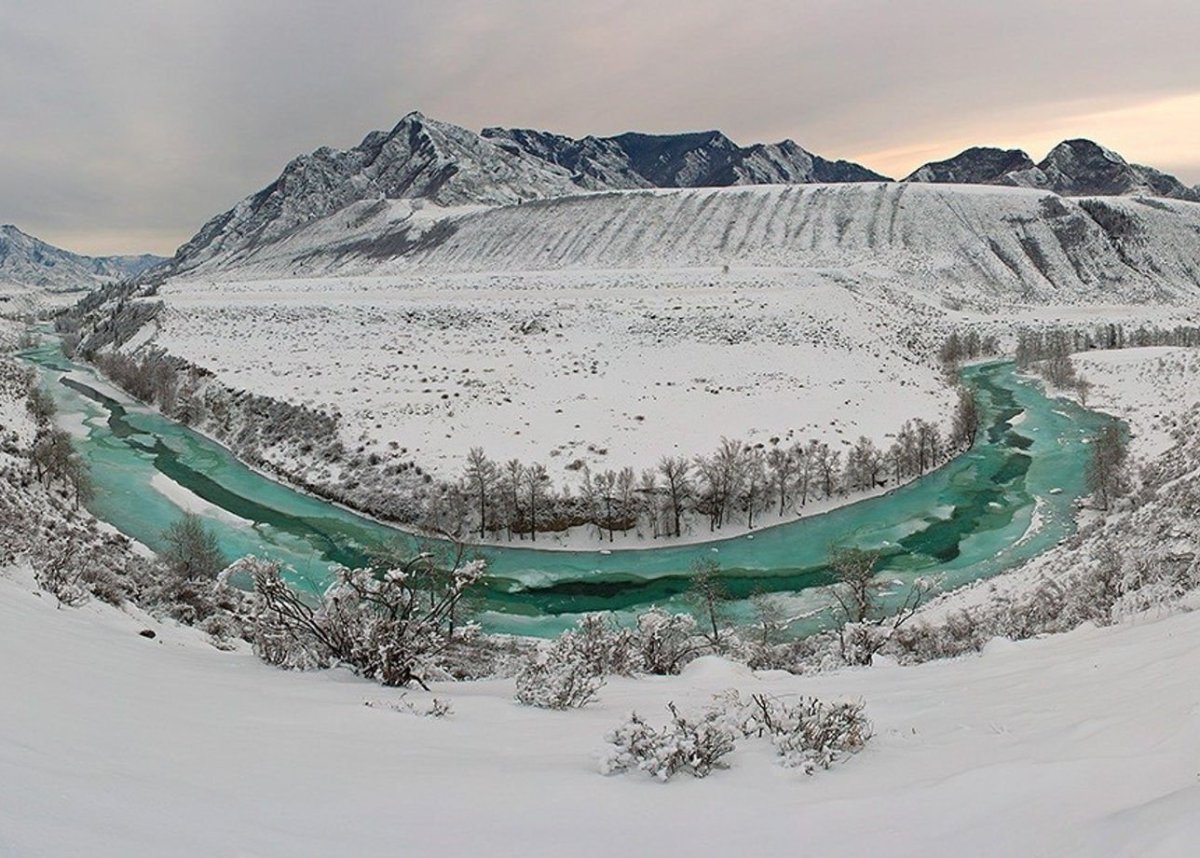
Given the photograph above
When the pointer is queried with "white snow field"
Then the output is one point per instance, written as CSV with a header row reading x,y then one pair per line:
x,y
114,744
608,369
1152,389
614,328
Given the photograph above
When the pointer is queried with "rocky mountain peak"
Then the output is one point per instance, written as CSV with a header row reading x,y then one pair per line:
x,y
979,165
1077,167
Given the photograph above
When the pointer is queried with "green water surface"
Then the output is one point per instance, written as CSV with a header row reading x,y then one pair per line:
x,y
1004,501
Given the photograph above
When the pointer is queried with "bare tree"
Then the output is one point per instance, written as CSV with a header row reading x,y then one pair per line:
x,y
51,455
651,506
482,475
854,590
40,404
1107,472
721,479
966,419
626,488
782,463
863,625
708,596
754,483
536,480
192,551
827,463
514,478
678,486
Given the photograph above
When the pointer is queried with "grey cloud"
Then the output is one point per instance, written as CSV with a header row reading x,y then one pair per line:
x,y
143,119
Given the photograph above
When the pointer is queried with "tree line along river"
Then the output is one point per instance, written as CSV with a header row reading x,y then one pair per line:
x,y
1004,501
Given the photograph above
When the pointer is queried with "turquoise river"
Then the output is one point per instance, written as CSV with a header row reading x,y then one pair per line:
x,y
1007,499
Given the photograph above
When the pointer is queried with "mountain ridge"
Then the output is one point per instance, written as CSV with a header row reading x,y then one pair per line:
x,y
446,165
29,262
423,162
1074,168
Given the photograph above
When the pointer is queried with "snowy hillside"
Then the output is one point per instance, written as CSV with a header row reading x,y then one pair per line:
x,y
27,263
423,159
1081,744
968,242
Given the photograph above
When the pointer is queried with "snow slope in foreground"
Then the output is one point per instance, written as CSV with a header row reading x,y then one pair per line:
x,y
114,744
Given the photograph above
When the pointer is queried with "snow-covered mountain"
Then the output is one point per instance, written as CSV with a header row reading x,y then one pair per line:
x,y
30,263
423,159
1015,243
402,193
1073,168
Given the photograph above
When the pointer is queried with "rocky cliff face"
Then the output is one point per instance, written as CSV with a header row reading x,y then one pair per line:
x,y
979,165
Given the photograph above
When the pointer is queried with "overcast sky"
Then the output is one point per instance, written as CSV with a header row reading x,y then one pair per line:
x,y
125,124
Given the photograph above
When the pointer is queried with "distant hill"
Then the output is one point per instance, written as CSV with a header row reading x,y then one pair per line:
x,y
28,263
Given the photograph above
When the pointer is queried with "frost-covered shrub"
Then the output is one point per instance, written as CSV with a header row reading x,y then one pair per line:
x,y
959,633
62,580
807,733
556,679
1156,583
695,746
437,708
665,641
391,625
77,566
222,629
603,646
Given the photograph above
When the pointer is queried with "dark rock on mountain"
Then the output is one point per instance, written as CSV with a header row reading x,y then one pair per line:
x,y
418,159
1073,168
979,165
594,163
700,159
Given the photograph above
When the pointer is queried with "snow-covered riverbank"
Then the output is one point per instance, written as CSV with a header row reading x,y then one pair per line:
x,y
1045,747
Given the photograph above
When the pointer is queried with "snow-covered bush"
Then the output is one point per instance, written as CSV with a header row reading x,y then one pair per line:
x,y
960,632
391,625
222,628
807,733
603,646
437,708
56,573
557,677
665,641
569,671
695,746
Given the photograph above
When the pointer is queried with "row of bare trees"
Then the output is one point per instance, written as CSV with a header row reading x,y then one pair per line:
x,y
738,482
53,457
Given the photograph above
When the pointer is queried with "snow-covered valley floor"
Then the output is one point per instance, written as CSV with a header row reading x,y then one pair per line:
x,y
115,744
609,369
